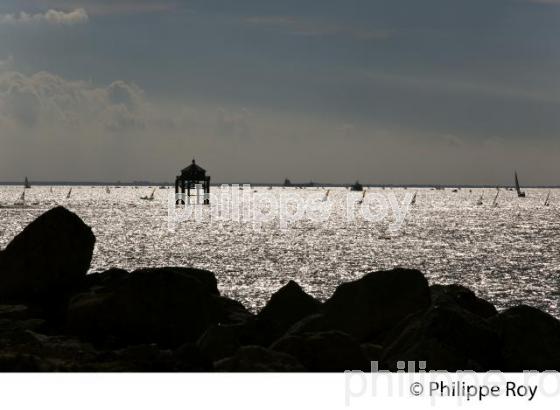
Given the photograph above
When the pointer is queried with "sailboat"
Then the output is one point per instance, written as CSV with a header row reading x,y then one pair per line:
x,y
495,202
479,202
413,201
547,200
361,201
326,196
520,193
26,185
21,200
149,198
69,193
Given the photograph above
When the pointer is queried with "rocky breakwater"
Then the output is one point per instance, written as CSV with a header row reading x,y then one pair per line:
x,y
55,317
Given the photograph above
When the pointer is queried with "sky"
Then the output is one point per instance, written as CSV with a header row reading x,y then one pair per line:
x,y
381,91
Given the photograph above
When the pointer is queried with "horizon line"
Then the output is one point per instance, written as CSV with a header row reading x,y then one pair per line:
x,y
275,184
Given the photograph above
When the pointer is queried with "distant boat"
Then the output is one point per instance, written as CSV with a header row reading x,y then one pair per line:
x,y
357,187
520,194
151,197
26,185
326,196
547,200
495,202
20,203
69,194
361,201
413,201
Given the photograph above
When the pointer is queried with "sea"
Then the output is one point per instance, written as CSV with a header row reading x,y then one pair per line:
x,y
256,239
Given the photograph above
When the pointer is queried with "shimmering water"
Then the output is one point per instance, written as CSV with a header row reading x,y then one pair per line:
x,y
507,254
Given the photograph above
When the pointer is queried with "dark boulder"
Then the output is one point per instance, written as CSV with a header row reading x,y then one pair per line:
x,y
372,352
15,312
165,306
21,362
47,260
258,359
369,307
330,351
462,297
109,278
189,358
226,310
530,339
446,338
285,307
220,341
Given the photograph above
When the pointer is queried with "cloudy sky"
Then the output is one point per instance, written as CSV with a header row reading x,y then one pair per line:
x,y
387,91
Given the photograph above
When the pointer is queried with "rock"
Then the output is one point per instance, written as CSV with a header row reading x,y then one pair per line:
x,y
330,351
463,297
139,358
165,306
19,362
258,359
369,307
206,278
190,358
109,278
446,338
227,310
372,352
15,333
286,307
530,339
310,324
220,341
15,312
47,260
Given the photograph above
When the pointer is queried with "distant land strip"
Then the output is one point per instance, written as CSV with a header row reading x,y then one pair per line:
x,y
273,184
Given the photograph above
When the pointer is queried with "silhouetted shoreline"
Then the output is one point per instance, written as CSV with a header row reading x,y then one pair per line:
x,y
54,317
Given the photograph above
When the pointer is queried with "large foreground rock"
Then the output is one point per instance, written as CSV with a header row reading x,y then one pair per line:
x,y
168,306
446,338
330,351
458,295
259,359
369,307
530,339
287,306
48,259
